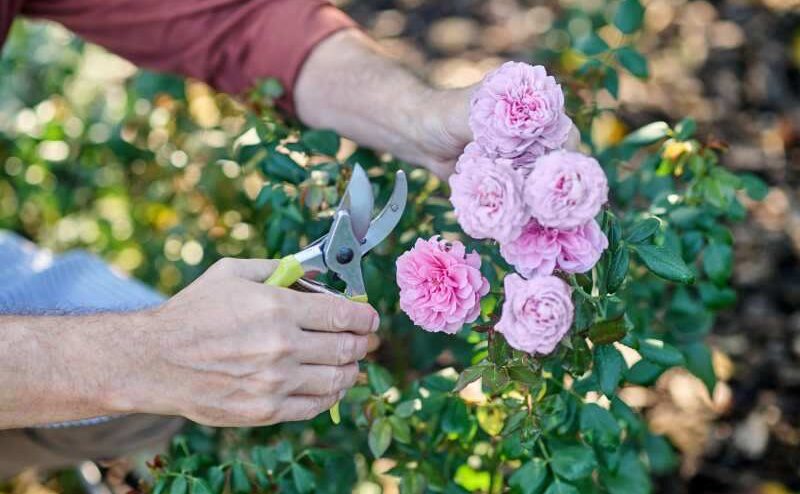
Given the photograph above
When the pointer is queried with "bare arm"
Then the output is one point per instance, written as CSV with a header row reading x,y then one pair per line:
x,y
226,351
59,368
349,85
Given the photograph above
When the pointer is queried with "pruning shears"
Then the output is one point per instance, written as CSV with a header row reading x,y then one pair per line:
x,y
352,234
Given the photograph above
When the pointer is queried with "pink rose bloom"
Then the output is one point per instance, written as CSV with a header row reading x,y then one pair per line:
x,y
518,109
471,152
487,198
534,252
537,313
440,285
581,247
567,190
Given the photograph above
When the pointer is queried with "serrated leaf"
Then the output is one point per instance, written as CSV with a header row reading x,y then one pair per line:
x,y
573,462
530,478
199,486
644,373
599,426
380,437
617,269
642,230
281,167
469,375
609,331
240,483
664,263
718,262
303,479
609,366
179,485
379,378
611,82
216,479
699,363
660,353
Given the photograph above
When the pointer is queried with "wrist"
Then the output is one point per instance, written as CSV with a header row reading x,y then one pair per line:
x,y
117,349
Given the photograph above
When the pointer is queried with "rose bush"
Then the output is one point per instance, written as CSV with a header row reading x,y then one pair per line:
x,y
162,193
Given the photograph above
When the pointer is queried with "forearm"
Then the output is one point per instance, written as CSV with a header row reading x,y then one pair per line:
x,y
349,85
64,367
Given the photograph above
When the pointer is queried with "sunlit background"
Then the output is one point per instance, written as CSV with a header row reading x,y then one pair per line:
x,y
139,168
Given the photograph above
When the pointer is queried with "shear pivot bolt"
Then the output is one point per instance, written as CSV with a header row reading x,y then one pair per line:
x,y
344,255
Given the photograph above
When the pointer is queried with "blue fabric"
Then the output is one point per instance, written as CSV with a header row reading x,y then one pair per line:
x,y
33,281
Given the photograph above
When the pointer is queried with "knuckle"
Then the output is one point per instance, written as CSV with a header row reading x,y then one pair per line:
x,y
339,316
281,346
346,349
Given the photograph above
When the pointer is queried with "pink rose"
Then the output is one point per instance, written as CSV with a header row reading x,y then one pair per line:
x,y
581,247
487,198
440,285
566,190
534,252
518,109
537,313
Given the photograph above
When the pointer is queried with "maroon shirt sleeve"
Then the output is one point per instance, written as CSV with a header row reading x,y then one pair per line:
x,y
229,44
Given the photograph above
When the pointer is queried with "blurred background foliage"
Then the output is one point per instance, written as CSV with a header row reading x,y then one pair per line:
x,y
152,173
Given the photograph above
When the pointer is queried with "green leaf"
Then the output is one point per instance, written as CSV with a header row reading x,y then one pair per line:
x,y
718,262
611,81
598,426
591,44
644,373
715,297
633,61
199,486
647,135
630,476
664,263
699,363
494,379
455,419
240,483
530,478
406,409
379,378
216,479
685,129
179,485
617,269
643,230
468,375
559,487
161,485
283,451
629,15
321,141
380,437
756,188
524,374
609,331
280,166
661,353
401,431
609,366
660,455
303,479
573,462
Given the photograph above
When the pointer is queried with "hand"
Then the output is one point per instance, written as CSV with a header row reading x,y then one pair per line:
x,y
231,351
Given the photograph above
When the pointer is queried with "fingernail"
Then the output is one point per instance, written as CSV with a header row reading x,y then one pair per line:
x,y
376,321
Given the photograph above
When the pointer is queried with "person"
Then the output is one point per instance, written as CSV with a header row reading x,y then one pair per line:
x,y
227,350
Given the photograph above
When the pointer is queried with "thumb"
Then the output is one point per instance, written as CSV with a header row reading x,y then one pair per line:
x,y
256,270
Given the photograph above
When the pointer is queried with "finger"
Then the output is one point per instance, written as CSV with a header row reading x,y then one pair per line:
x,y
300,407
319,380
316,347
322,312
249,269
373,342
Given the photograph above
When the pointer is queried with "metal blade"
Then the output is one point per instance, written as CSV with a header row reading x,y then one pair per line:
x,y
387,219
358,201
